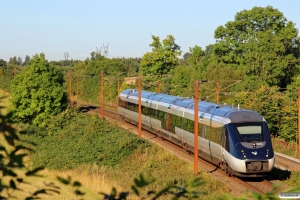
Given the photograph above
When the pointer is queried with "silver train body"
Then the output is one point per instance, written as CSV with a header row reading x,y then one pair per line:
x,y
236,140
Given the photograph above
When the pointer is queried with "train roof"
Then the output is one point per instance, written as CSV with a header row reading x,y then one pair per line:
x,y
203,106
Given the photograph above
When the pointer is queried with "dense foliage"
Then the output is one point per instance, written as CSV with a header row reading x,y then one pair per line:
x,y
71,139
163,58
89,72
37,92
14,173
262,42
255,61
255,58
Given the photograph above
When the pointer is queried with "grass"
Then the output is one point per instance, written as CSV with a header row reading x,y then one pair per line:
x,y
290,149
167,170
102,156
48,178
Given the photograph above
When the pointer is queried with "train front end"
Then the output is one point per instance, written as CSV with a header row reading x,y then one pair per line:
x,y
249,151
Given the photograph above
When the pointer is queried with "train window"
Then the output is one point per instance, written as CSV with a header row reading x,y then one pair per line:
x,y
213,134
175,121
184,124
120,102
144,110
178,121
170,123
132,107
250,132
188,125
125,104
162,116
152,113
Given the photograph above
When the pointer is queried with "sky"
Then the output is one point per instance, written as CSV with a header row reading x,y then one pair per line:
x,y
125,27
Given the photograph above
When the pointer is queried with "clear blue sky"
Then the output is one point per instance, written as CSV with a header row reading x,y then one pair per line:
x,y
78,27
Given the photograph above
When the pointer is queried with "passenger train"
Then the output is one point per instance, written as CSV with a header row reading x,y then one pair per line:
x,y
234,139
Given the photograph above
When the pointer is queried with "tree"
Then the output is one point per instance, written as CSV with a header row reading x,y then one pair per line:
x,y
27,61
182,81
96,56
186,56
37,92
197,54
209,49
163,58
262,42
3,65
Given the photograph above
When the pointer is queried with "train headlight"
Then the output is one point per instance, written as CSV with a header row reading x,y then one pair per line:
x,y
243,153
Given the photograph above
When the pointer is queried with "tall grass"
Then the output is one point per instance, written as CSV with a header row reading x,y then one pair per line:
x,y
287,148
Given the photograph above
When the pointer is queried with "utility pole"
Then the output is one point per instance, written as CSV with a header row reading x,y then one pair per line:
x,y
70,87
217,92
140,105
196,128
77,90
158,86
118,88
102,95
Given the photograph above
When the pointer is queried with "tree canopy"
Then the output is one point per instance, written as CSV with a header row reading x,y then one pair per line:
x,y
262,42
163,58
37,92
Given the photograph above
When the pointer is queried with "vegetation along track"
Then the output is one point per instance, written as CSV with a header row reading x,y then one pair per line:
x,y
236,185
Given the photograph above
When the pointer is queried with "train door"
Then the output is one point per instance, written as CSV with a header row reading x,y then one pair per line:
x,y
205,144
224,141
155,123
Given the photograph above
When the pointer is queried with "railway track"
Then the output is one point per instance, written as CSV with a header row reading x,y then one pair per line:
x,y
236,185
285,162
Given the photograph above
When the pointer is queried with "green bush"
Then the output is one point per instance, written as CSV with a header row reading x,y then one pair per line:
x,y
37,92
71,139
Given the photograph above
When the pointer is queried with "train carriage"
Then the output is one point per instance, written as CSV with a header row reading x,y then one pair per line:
x,y
237,140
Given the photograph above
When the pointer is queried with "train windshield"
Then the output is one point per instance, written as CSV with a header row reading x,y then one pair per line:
x,y
250,132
